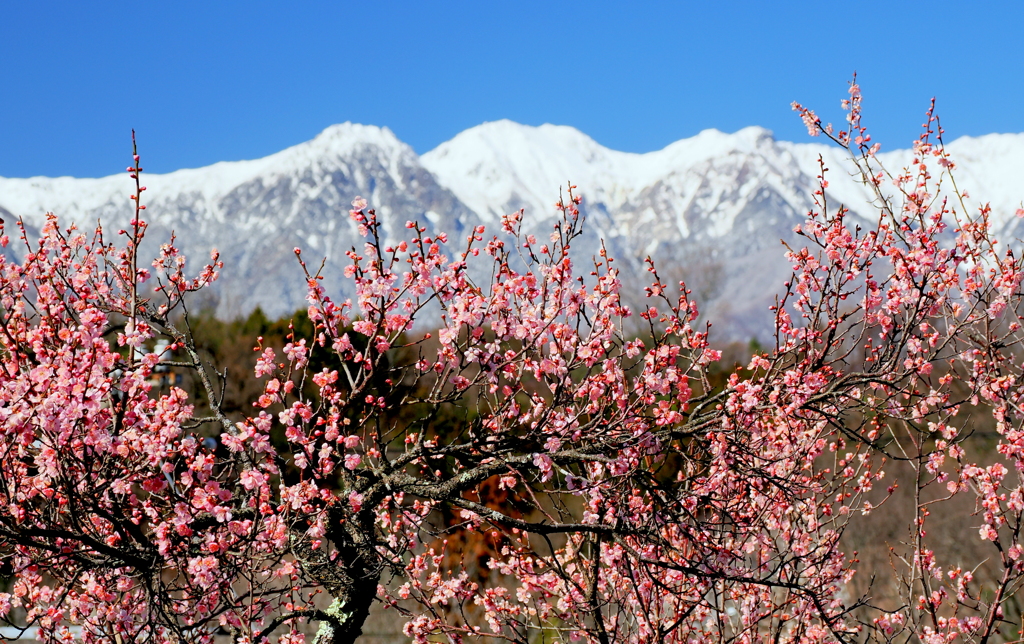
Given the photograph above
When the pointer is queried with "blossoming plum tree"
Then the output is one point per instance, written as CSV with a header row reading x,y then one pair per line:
x,y
640,503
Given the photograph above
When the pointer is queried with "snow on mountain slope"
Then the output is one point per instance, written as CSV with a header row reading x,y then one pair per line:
x,y
499,167
989,168
256,212
710,209
363,150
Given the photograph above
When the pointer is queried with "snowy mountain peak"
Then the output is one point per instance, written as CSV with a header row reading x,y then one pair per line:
x,y
508,143
710,209
502,166
344,138
752,135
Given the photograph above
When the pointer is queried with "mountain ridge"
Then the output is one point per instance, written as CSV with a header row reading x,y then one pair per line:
x,y
711,209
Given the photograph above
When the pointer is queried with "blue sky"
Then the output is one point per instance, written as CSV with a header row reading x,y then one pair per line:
x,y
210,81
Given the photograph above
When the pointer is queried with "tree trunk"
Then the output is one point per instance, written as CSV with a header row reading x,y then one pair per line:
x,y
351,578
347,615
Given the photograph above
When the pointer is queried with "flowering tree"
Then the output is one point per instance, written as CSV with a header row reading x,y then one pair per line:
x,y
623,496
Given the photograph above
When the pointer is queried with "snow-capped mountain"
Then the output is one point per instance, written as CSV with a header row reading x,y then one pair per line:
x,y
256,212
711,209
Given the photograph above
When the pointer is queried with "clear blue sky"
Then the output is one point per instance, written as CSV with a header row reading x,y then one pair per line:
x,y
210,81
